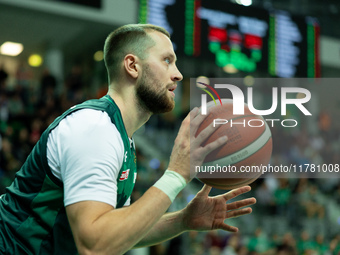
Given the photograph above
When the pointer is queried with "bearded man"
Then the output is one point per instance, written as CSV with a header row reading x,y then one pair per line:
x,y
72,195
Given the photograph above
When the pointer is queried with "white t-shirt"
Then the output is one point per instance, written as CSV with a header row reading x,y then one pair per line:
x,y
85,151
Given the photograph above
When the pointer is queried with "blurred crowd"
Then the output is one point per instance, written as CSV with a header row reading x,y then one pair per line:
x,y
27,107
292,215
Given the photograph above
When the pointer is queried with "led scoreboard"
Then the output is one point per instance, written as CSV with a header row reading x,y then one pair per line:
x,y
246,38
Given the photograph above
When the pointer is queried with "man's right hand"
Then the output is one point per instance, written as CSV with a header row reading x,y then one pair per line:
x,y
188,151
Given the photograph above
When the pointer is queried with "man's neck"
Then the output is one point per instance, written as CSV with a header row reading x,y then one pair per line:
x,y
133,116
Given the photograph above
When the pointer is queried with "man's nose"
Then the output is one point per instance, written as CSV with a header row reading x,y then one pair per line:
x,y
177,76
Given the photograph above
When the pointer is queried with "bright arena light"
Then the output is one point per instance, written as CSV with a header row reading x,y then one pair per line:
x,y
230,68
98,56
248,80
35,60
244,2
11,48
202,79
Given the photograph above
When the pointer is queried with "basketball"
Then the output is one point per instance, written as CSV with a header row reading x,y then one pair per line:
x,y
249,147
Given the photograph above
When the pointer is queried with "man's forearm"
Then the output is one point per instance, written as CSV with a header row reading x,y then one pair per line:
x,y
169,226
115,230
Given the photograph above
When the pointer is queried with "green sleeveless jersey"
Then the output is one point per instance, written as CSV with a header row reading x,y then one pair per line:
x,y
33,219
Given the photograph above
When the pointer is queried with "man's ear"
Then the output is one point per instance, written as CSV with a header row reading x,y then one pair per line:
x,y
131,65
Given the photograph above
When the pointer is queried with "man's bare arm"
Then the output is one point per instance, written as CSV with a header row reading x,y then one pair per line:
x,y
201,214
98,228
169,226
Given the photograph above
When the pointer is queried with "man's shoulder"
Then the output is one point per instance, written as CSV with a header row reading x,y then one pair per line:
x,y
96,104
90,124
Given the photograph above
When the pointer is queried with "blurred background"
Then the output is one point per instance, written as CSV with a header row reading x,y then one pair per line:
x,y
51,58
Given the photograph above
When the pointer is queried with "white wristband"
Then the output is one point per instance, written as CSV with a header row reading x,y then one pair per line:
x,y
171,183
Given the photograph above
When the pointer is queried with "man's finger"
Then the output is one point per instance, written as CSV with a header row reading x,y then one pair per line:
x,y
236,192
229,228
237,213
213,145
205,190
241,203
196,120
206,133
193,113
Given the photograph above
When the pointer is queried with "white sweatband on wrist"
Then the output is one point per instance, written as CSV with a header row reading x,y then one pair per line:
x,y
171,183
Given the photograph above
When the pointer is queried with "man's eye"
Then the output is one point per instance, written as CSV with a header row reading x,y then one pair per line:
x,y
167,60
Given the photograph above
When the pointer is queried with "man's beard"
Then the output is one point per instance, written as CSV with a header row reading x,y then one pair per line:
x,y
149,98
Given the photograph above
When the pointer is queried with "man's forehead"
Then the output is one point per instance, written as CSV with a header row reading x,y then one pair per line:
x,y
159,37
162,42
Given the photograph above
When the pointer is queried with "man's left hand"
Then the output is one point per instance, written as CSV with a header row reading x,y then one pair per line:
x,y
207,213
